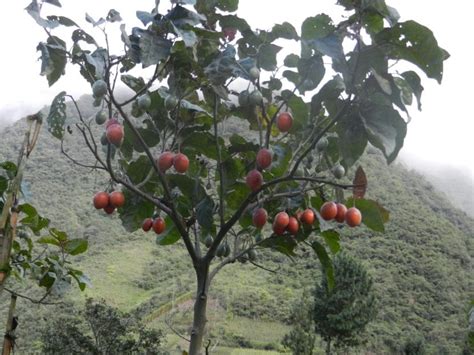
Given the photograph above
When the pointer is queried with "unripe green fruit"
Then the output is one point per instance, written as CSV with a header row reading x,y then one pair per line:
x,y
322,144
339,171
244,98
99,88
144,101
252,255
227,250
170,102
255,97
103,139
101,117
208,241
97,101
221,250
254,73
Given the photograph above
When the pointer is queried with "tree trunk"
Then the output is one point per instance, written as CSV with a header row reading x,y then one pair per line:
x,y
200,309
9,338
328,347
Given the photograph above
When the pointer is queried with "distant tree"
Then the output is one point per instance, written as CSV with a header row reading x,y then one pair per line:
x,y
102,329
301,338
342,313
414,346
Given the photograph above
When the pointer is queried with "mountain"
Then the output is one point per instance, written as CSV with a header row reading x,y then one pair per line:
x,y
421,265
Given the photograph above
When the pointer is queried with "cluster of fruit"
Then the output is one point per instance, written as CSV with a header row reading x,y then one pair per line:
x,y
158,225
109,201
168,159
283,222
254,178
337,211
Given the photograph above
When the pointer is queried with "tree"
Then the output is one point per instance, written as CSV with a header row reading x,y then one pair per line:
x,y
202,57
44,259
342,313
101,329
300,340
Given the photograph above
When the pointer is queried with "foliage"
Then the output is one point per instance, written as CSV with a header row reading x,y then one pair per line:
x,y
341,315
301,339
196,59
101,329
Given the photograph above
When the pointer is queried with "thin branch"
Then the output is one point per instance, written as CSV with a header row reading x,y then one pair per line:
x,y
262,267
32,300
220,167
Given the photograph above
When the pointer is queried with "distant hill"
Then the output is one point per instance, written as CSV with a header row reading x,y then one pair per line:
x,y
422,265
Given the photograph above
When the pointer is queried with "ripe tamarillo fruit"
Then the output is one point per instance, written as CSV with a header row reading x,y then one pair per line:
x,y
353,217
181,163
101,200
165,161
281,219
117,199
264,158
328,210
159,225
147,224
115,134
284,121
259,217
254,180
109,209
307,217
341,213
293,226
111,122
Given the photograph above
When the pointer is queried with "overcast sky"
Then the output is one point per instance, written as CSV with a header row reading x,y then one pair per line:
x,y
442,132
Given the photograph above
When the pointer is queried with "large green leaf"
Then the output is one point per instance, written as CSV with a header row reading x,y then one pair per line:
x,y
53,58
57,116
352,138
135,211
415,43
385,128
414,81
153,48
285,30
267,56
76,246
374,216
136,84
331,237
312,70
227,5
284,244
326,263
205,213
170,235
3,185
315,27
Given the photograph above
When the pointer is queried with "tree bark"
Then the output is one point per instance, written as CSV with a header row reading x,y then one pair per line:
x,y
200,308
328,347
9,338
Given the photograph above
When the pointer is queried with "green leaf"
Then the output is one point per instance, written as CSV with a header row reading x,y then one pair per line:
x,y
188,187
113,16
312,70
53,58
228,5
267,56
170,235
352,138
135,211
315,27
282,156
3,185
136,84
291,60
331,237
48,280
47,239
33,10
10,168
76,246
415,43
414,81
153,48
330,45
236,195
380,7
57,116
284,244
59,235
205,213
329,92
374,216
326,263
184,2
65,21
385,129
285,30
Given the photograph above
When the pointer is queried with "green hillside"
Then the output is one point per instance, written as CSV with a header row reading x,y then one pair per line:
x,y
422,265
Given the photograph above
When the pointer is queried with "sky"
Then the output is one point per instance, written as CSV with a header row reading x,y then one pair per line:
x,y
441,133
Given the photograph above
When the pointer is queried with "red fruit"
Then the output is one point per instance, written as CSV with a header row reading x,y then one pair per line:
x,y
293,226
281,220
284,121
114,134
229,33
259,217
307,217
147,224
109,209
181,163
159,225
341,212
101,200
264,158
254,180
328,211
111,122
278,230
117,199
165,161
353,217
